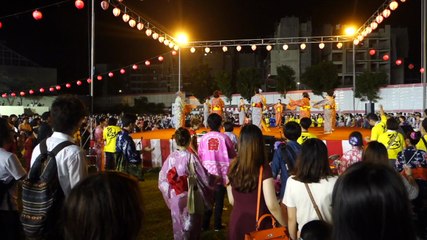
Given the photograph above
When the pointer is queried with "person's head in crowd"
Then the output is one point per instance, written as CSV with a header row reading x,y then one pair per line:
x,y
375,152
216,94
356,139
412,138
45,116
106,205
214,122
112,121
244,170
6,135
182,137
370,202
312,165
402,119
228,126
372,118
305,123
316,230
195,123
392,124
292,130
101,121
67,113
330,93
128,121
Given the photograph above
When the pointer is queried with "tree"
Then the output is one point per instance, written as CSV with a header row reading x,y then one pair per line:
x,y
368,85
247,80
321,77
285,79
200,82
223,81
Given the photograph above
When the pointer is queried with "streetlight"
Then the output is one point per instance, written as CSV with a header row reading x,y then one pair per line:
x,y
351,31
181,40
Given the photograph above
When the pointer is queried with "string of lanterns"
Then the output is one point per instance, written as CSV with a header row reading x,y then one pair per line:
x,y
37,13
135,20
111,73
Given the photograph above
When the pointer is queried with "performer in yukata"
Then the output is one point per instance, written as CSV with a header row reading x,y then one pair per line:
x,y
328,105
303,104
258,102
217,104
242,111
278,108
179,110
173,185
206,111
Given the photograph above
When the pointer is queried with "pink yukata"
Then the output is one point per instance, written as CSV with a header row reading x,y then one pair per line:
x,y
349,158
185,225
215,152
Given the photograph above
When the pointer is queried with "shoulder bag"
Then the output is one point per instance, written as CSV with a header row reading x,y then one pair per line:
x,y
195,204
272,233
316,208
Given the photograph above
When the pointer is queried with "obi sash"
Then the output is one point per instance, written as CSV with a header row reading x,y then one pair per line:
x,y
257,105
217,108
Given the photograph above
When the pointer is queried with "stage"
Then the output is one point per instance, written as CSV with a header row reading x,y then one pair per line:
x,y
161,140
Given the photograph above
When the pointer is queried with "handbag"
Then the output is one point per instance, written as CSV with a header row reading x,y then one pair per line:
x,y
271,233
316,208
195,203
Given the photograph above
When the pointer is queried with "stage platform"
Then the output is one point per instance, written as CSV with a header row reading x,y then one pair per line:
x,y
161,140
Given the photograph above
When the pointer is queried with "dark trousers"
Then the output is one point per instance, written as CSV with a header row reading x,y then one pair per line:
x,y
110,161
10,225
220,191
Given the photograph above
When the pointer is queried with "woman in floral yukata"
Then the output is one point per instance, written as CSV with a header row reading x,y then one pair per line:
x,y
174,187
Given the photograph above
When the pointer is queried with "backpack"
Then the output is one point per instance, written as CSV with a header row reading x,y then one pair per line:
x,y
42,195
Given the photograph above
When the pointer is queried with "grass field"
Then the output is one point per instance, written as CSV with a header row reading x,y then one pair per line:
x,y
157,219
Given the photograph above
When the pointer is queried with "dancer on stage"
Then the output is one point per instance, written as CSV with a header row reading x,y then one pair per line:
x,y
258,102
206,111
179,110
278,108
242,111
328,105
303,104
217,104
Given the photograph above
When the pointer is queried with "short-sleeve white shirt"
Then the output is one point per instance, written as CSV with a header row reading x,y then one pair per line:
x,y
10,168
296,196
71,161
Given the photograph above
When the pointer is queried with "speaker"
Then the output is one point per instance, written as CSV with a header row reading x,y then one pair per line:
x,y
369,108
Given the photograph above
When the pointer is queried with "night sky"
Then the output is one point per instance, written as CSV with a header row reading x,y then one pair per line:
x,y
60,39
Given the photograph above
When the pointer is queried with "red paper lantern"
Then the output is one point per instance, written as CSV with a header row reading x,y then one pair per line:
x,y
386,57
58,87
147,63
122,71
88,80
79,4
174,52
51,89
372,52
398,62
422,70
31,91
67,85
4,95
41,90
37,15
99,77
411,66
134,67
111,74
79,82
13,94
1,25
105,5
160,58
22,93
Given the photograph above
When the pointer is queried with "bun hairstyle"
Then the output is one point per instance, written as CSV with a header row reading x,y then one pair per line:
x,y
305,94
355,139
